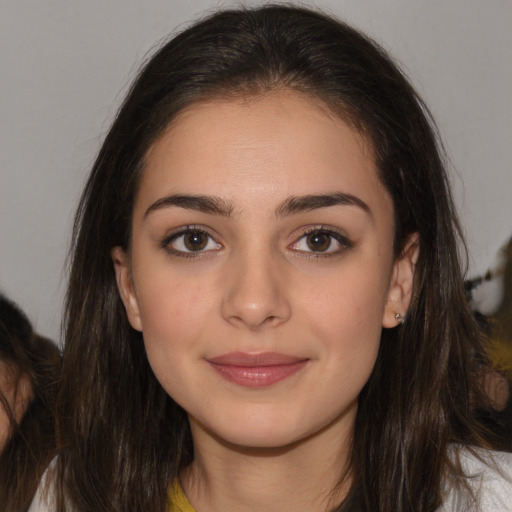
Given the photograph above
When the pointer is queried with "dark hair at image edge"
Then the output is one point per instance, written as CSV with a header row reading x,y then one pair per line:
x,y
31,445
123,440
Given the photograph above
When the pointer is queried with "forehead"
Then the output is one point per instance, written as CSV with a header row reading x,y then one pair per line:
x,y
277,144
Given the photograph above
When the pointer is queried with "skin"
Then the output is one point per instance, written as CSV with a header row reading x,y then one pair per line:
x,y
496,386
17,392
261,285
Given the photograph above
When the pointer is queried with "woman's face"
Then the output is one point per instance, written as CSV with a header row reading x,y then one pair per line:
x,y
261,270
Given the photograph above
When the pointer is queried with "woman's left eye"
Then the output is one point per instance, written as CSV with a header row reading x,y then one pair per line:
x,y
321,242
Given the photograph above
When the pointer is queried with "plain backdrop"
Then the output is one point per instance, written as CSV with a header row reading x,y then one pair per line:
x,y
65,65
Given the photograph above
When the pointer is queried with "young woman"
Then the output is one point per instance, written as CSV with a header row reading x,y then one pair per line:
x,y
265,309
29,369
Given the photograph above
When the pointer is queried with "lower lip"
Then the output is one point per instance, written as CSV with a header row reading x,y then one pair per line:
x,y
258,376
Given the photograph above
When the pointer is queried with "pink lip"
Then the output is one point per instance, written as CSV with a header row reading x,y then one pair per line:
x,y
256,370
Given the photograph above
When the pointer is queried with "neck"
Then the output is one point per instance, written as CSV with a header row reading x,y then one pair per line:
x,y
302,476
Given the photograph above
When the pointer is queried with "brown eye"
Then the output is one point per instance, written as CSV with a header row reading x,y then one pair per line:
x,y
319,242
190,241
195,241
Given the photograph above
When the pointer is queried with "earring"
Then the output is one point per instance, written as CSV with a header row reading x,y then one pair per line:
x,y
400,318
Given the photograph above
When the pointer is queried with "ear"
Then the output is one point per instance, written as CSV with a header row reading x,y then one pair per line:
x,y
400,287
125,287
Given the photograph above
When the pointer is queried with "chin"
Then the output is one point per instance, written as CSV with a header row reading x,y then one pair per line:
x,y
260,441
271,433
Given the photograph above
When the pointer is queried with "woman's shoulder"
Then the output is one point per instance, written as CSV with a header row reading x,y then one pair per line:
x,y
45,496
489,480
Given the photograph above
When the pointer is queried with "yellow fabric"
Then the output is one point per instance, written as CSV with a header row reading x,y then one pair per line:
x,y
177,500
499,351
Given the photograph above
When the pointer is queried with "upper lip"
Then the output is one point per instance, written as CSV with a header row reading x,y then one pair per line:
x,y
255,359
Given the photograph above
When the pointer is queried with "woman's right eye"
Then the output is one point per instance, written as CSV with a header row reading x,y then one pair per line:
x,y
190,241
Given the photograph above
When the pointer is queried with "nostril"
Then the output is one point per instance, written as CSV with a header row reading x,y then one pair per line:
x,y
254,323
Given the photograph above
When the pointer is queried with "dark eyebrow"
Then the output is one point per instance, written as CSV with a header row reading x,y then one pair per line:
x,y
312,202
206,204
296,204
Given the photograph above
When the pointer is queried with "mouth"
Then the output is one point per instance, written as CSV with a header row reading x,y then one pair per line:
x,y
256,370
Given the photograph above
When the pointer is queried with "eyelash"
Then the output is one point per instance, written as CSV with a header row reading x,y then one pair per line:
x,y
344,242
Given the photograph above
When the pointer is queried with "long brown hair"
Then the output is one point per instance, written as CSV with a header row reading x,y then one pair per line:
x,y
123,438
31,444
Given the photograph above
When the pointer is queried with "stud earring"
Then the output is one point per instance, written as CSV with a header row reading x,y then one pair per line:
x,y
400,318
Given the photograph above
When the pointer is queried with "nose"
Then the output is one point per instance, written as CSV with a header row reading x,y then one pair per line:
x,y
256,295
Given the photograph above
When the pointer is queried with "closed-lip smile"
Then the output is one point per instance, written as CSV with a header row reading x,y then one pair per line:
x,y
256,369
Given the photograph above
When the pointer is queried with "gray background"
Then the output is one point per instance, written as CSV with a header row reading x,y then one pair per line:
x,y
65,64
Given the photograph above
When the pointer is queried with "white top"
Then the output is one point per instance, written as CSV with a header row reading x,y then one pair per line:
x,y
490,481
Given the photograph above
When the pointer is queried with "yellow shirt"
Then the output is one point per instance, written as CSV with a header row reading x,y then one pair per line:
x,y
177,500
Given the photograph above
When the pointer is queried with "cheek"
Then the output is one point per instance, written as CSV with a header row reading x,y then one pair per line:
x,y
349,303
174,312
173,317
347,317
